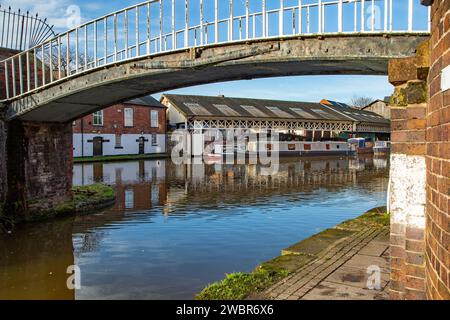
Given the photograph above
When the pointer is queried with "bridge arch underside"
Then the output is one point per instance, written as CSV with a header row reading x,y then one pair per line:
x,y
362,54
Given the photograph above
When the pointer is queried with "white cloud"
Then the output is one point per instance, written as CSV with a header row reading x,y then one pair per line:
x,y
54,10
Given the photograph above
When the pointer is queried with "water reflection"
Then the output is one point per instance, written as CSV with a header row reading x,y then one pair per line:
x,y
174,229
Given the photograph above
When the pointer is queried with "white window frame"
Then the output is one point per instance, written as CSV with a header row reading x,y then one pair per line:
x,y
154,122
97,115
118,141
128,117
154,140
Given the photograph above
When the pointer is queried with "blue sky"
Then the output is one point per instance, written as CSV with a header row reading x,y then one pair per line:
x,y
305,88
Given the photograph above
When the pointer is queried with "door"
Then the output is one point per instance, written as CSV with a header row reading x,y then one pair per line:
x,y
141,145
98,146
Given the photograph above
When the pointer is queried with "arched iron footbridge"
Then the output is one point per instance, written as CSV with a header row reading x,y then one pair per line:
x,y
166,44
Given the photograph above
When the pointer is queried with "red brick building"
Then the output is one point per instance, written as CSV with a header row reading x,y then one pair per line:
x,y
135,127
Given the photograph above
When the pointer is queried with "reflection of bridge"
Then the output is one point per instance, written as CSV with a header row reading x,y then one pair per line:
x,y
166,44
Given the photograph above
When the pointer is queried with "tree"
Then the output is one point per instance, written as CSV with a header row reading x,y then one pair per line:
x,y
360,101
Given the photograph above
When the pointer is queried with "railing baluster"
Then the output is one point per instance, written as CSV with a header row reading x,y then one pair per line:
x,y
201,22
385,15
391,9
105,23
247,17
216,21
115,37
300,22
308,17
76,50
160,26
95,44
264,19
230,23
340,16
281,19
20,75
59,58
410,15
51,61
373,15
35,68
355,16
28,71
363,15
320,12
43,65
85,48
186,23
138,49
13,72
7,79
173,26
125,17
148,28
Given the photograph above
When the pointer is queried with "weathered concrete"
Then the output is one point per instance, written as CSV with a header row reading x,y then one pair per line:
x,y
85,93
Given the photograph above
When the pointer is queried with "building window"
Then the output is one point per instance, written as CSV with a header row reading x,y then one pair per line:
x,y
118,141
154,123
154,139
97,118
128,114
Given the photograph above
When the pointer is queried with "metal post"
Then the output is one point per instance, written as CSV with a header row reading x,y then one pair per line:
x,y
216,21
7,79
340,17
247,17
13,72
43,64
20,74
126,33
201,22
160,25
186,26
391,9
410,15
373,15
173,26
28,71
148,28
115,37
138,49
264,18
59,57
300,22
230,23
319,4
385,15
95,43
363,15
51,61
76,50
281,19
85,48
105,23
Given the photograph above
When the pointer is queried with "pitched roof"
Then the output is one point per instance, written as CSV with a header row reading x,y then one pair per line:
x,y
202,107
147,101
359,115
227,107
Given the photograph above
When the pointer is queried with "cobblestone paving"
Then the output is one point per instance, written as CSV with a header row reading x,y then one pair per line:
x,y
340,271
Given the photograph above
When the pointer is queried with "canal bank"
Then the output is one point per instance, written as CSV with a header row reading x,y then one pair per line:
x,y
86,199
333,264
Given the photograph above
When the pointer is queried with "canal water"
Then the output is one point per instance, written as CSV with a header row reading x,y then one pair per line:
x,y
176,228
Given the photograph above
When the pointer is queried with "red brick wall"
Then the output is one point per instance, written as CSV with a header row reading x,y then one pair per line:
x,y
39,166
437,233
114,121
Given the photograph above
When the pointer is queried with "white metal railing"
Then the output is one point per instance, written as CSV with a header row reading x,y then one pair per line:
x,y
160,26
